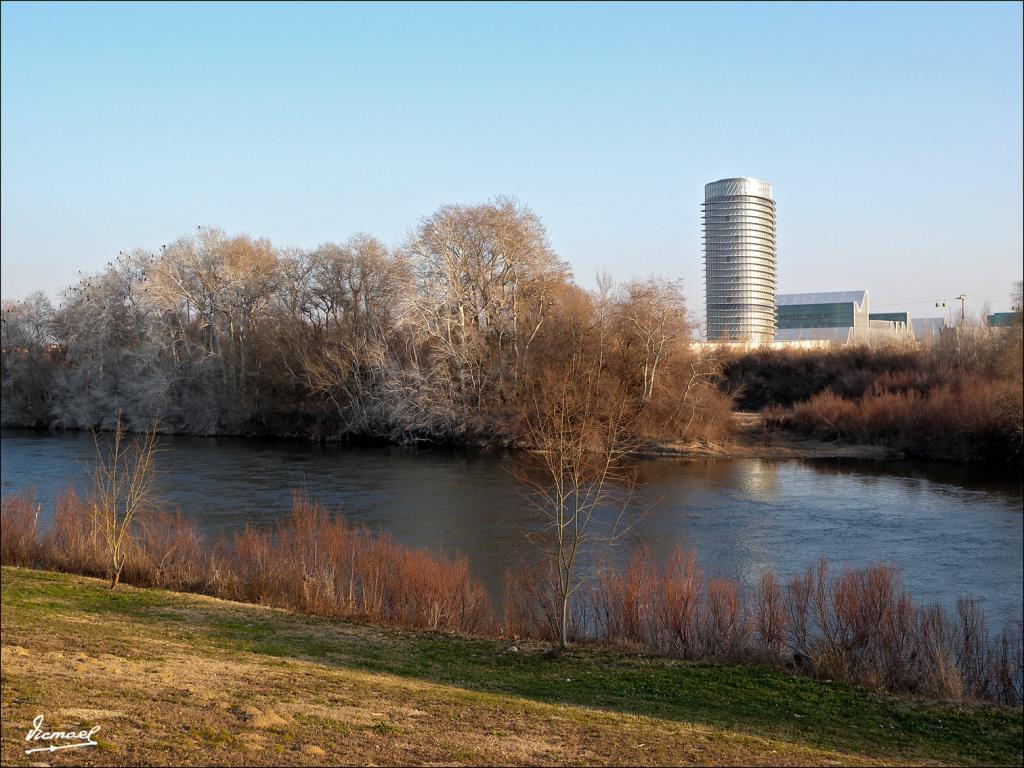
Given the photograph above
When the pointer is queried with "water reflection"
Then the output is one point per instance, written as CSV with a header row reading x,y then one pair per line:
x,y
953,531
957,477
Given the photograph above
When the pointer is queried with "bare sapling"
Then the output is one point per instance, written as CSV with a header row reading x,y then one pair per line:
x,y
122,484
579,432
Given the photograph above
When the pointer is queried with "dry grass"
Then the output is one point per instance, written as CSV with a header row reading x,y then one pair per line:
x,y
184,679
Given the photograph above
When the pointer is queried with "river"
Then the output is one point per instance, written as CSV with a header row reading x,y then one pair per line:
x,y
951,531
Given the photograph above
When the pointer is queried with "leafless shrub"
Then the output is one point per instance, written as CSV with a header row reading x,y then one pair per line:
x,y
122,482
1006,668
622,602
934,665
533,608
323,565
73,542
962,399
19,530
312,562
769,616
972,647
677,605
170,554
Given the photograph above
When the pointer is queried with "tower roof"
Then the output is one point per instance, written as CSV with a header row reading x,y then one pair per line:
x,y
739,185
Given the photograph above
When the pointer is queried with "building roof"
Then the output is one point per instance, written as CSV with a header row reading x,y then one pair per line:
x,y
827,297
737,185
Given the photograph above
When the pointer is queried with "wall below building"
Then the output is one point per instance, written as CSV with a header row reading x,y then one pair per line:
x,y
889,333
748,346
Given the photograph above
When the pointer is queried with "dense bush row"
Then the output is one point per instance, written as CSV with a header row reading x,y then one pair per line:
x,y
973,420
768,377
857,626
961,399
311,562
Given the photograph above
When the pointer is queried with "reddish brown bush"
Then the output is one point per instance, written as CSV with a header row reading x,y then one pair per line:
x,y
784,377
933,665
323,565
74,542
974,419
677,605
169,554
962,399
858,626
726,629
532,604
311,562
19,530
1006,668
769,615
622,601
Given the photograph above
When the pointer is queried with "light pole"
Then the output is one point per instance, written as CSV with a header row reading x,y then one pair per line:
x,y
963,298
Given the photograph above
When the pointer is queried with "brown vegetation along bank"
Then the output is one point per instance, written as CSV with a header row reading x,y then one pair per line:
x,y
311,561
961,399
447,339
858,625
440,340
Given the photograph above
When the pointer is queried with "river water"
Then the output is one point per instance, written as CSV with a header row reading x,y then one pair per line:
x,y
951,531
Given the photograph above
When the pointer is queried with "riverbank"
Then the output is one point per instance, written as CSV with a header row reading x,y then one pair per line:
x,y
175,678
751,439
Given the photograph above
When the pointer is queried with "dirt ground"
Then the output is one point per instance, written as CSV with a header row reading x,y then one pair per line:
x,y
172,680
752,441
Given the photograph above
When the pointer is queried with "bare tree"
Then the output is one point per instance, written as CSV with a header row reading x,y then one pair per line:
x,y
579,433
653,328
486,277
122,482
345,327
27,324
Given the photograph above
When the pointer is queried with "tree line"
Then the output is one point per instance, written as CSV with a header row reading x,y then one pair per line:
x,y
447,338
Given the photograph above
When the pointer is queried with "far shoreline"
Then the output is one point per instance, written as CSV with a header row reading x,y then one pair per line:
x,y
747,442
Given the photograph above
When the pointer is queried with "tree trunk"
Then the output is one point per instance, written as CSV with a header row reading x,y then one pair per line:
x,y
563,628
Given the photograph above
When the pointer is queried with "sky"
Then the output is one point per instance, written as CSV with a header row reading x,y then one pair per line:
x,y
892,134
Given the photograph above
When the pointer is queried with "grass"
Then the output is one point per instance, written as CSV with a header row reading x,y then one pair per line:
x,y
176,678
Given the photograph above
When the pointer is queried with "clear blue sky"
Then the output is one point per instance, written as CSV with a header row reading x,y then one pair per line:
x,y
892,134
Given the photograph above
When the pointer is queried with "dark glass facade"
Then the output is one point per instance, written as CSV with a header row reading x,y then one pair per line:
x,y
839,315
1004,319
892,317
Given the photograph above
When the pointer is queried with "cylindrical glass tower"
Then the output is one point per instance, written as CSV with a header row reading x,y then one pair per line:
x,y
739,260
